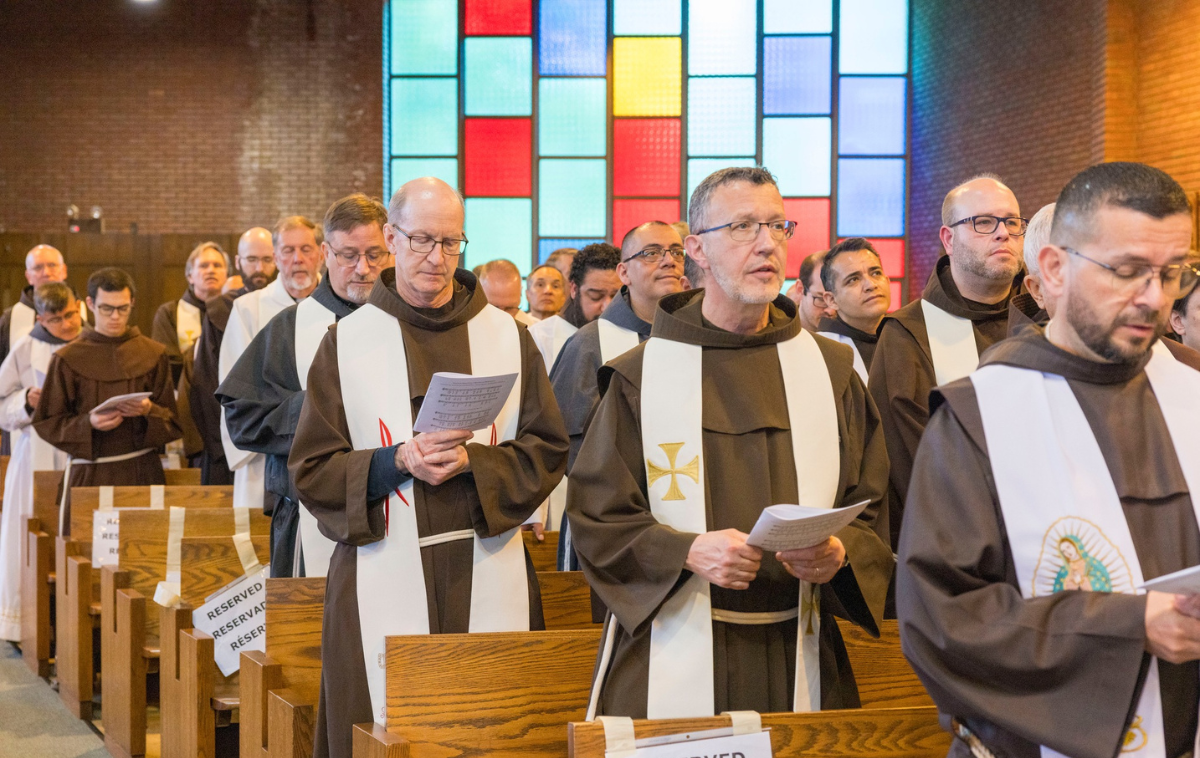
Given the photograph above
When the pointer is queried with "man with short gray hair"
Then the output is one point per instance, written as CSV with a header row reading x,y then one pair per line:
x,y
43,264
728,408
177,322
1029,307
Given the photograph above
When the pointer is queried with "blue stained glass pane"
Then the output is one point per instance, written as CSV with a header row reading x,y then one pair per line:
x,y
499,228
872,115
424,116
571,117
870,197
573,37
722,37
547,246
424,36
642,18
406,169
499,76
721,115
797,16
798,151
571,198
874,37
797,75
698,168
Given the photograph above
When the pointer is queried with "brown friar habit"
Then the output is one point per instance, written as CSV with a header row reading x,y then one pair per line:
x,y
89,371
864,341
634,563
345,490
164,330
1064,670
206,411
902,373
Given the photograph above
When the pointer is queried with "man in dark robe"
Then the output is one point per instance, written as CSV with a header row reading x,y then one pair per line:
x,y
808,292
118,446
1028,306
177,323
256,263
1065,669
593,284
264,391
486,490
858,292
637,565
970,286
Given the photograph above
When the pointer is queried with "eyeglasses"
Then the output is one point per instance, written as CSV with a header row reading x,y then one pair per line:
x,y
421,243
108,311
987,224
350,260
61,317
42,267
747,231
1177,279
653,254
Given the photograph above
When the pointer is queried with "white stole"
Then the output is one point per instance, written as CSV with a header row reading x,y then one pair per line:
x,y
20,322
860,367
681,644
391,579
187,324
312,322
550,335
951,344
1066,527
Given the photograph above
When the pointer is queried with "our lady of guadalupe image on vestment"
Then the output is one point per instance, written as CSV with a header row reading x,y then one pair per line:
x,y
1076,555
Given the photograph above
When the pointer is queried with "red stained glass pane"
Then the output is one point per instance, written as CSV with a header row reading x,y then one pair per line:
x,y
497,160
811,215
897,297
629,213
498,17
646,156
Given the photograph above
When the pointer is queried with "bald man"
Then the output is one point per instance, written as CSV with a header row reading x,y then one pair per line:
x,y
501,283
963,310
256,264
43,264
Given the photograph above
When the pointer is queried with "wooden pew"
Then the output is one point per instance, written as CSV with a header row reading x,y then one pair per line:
x,y
884,677
38,574
566,600
77,584
859,733
195,698
543,554
129,635
498,694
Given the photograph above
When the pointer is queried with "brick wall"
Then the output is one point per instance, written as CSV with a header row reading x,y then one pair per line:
x,y
1007,86
187,115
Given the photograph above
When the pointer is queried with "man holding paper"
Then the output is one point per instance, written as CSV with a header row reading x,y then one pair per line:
x,y
427,525
730,407
1051,485
118,445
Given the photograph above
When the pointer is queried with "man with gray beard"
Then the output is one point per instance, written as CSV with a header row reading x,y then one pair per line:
x,y
962,311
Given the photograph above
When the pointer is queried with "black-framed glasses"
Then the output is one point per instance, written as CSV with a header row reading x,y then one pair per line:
x,y
653,254
109,310
1015,225
424,244
1177,279
348,260
747,231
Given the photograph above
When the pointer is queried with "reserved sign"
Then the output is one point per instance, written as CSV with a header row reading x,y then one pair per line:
x,y
236,618
757,745
106,533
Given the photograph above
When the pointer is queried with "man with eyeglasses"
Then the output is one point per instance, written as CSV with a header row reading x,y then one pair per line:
x,y
858,291
962,311
1068,461
593,283
808,293
118,445
21,376
256,263
297,245
264,391
730,407
651,267
413,513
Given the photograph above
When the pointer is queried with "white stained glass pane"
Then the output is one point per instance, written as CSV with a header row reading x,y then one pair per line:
x,y
798,151
722,37
797,16
873,37
646,18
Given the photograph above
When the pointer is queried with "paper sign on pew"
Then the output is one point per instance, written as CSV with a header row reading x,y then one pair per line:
x,y
756,745
462,401
235,616
106,532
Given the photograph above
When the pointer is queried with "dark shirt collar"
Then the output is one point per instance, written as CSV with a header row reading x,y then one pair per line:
x,y
620,312
679,318
837,326
942,291
1030,349
190,298
468,299
89,334
325,295
42,334
27,295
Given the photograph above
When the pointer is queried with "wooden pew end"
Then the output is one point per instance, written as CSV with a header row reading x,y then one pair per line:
x,y
373,741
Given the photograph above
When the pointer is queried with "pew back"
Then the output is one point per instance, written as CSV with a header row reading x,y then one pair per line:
x,y
85,501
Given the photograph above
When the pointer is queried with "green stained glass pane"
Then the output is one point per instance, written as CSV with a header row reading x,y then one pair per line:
x,y
571,117
500,228
571,198
499,76
424,116
423,37
407,169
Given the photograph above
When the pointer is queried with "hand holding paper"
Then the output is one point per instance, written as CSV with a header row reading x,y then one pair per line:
x,y
792,527
463,402
115,403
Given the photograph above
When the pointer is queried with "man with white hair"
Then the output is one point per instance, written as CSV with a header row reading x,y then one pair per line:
x,y
43,264
297,245
177,322
1029,307
728,408
962,311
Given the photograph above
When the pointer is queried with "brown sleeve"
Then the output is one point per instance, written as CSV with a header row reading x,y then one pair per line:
x,y
56,418
162,423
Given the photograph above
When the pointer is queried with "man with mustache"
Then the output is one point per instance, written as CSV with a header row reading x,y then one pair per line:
x,y
264,390
177,323
256,262
939,337
1082,431
730,407
297,248
858,291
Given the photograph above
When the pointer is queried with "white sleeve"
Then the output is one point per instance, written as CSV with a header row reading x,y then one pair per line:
x,y
12,390
238,335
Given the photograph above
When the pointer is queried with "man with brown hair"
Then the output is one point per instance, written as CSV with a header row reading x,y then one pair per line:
x,y
177,322
297,245
264,391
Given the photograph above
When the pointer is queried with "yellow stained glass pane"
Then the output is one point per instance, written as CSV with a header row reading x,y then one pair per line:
x,y
647,75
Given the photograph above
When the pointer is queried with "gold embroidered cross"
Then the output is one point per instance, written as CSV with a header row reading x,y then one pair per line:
x,y
691,470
